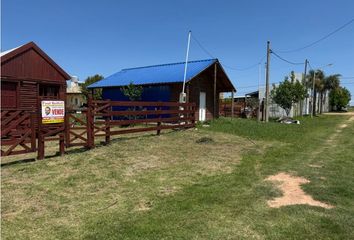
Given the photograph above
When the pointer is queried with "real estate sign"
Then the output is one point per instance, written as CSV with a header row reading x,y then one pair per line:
x,y
53,112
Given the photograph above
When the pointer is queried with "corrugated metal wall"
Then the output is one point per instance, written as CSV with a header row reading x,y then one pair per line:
x,y
150,94
160,93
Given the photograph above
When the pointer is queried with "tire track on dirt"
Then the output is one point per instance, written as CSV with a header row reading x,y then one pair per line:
x,y
331,140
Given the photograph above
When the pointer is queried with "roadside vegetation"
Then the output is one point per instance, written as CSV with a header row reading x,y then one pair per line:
x,y
207,183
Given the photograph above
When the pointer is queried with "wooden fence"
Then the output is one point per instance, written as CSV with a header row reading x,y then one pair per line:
x,y
21,129
108,118
225,109
18,134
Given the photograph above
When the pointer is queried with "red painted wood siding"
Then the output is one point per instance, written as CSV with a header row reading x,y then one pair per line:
x,y
8,95
30,65
28,96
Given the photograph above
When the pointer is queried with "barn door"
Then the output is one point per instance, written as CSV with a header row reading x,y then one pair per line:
x,y
202,106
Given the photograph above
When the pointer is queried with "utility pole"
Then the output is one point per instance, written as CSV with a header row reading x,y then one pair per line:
x,y
267,100
313,94
304,82
259,95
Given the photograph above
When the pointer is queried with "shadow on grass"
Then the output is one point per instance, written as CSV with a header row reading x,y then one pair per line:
x,y
21,161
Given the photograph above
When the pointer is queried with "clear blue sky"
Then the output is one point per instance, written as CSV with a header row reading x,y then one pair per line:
x,y
89,37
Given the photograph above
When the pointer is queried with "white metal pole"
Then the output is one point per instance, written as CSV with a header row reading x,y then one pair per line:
x,y
186,63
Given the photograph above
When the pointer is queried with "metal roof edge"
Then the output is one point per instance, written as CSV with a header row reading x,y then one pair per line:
x,y
168,64
145,84
214,60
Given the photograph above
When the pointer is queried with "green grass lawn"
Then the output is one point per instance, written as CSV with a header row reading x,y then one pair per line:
x,y
172,187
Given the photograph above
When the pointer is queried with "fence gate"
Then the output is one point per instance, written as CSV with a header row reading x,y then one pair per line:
x,y
76,132
18,132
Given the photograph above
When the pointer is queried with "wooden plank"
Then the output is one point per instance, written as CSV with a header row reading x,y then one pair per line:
x,y
77,136
136,130
25,147
10,118
6,142
53,131
77,144
147,104
101,108
3,113
17,152
148,112
77,119
148,120
17,143
78,128
14,124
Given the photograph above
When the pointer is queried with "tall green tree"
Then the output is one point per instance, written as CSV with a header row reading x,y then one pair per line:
x,y
97,93
339,98
288,93
319,86
331,82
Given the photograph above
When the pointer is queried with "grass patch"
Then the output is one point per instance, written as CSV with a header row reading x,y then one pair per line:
x,y
172,187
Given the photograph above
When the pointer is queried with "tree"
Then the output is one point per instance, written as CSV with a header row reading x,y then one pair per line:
x,y
330,83
88,81
339,98
133,92
319,86
288,93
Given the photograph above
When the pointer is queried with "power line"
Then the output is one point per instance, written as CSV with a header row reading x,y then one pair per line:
x,y
283,59
224,65
319,40
252,86
246,68
202,47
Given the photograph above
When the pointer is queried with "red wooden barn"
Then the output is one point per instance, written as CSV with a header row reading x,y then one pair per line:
x,y
28,73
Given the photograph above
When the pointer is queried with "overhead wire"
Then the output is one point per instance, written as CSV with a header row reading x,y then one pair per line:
x,y
319,40
283,59
225,65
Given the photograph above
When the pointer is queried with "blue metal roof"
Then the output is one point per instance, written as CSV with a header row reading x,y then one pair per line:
x,y
165,73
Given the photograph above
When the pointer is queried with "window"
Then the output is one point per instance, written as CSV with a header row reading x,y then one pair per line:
x,y
8,95
48,90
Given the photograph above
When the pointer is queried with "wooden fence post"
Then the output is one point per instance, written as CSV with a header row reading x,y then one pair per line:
x,y
33,131
67,129
89,124
107,131
108,126
159,122
40,150
193,114
232,104
61,144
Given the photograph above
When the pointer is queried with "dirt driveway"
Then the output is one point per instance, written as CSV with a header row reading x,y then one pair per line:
x,y
340,113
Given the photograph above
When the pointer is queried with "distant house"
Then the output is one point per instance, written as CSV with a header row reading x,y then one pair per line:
x,y
74,97
276,111
205,81
28,73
